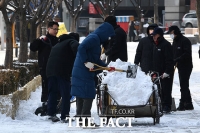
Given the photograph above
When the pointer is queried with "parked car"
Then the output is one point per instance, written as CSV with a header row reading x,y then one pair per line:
x,y
189,20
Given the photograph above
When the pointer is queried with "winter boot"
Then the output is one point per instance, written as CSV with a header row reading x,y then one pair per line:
x,y
42,110
54,118
65,121
166,109
181,106
188,106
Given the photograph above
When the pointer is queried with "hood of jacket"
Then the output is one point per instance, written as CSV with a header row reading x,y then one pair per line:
x,y
104,31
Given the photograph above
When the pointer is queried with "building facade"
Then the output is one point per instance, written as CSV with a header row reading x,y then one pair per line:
x,y
168,11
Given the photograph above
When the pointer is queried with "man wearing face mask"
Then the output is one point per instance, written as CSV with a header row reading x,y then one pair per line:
x,y
163,64
182,52
143,56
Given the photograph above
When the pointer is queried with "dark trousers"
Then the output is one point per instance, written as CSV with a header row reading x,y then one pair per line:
x,y
83,107
166,91
184,76
58,84
44,95
130,38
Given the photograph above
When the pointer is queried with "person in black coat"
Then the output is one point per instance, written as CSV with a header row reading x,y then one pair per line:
x,y
44,45
143,56
163,64
132,31
59,69
117,46
182,51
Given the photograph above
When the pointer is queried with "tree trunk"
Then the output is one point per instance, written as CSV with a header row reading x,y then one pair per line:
x,y
9,47
38,34
33,30
73,25
23,53
156,11
198,15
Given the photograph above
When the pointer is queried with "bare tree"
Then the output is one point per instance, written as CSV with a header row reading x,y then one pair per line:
x,y
22,7
9,14
40,11
107,7
48,10
139,11
74,11
198,14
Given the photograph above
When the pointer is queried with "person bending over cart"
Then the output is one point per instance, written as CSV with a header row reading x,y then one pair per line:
x,y
83,84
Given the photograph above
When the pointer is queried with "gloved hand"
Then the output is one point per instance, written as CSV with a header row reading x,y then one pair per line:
x,y
42,37
165,75
111,69
153,76
103,56
89,65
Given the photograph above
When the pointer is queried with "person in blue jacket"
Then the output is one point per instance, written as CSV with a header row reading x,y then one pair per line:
x,y
83,83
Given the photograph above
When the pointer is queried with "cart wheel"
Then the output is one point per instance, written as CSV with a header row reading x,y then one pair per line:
x,y
158,111
99,102
156,118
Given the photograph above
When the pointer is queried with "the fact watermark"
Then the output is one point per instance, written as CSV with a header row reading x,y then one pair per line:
x,y
120,122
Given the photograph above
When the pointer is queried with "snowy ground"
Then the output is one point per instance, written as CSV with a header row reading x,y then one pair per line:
x,y
176,122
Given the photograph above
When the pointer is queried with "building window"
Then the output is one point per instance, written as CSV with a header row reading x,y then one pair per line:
x,y
83,22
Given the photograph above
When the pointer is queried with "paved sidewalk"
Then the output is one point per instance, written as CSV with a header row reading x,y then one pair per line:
x,y
176,122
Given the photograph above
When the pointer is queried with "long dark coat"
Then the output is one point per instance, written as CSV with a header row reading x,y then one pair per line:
x,y
83,84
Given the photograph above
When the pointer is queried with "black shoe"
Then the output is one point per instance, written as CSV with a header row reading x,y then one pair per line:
x,y
181,106
166,110
92,126
65,121
42,110
188,106
54,118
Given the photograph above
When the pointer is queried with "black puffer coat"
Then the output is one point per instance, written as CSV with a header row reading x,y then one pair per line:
x,y
163,57
117,48
144,51
182,50
61,59
43,46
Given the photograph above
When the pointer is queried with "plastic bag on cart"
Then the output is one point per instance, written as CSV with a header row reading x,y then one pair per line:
x,y
128,91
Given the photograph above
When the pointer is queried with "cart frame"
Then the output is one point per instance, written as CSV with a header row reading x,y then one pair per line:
x,y
153,107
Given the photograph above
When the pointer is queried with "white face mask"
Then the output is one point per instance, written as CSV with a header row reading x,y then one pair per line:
x,y
172,36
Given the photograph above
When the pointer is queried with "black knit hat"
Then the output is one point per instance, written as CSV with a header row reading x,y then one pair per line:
x,y
112,20
175,29
157,31
152,26
75,36
64,37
